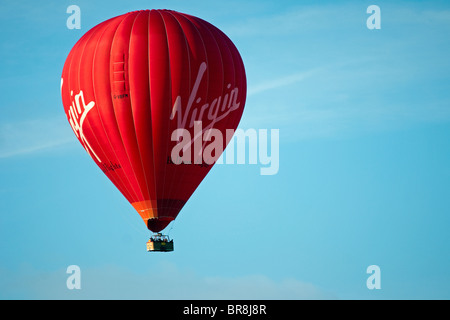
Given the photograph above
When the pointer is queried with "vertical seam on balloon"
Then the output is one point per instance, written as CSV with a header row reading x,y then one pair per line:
x,y
154,202
206,57
131,110
132,113
133,191
237,61
189,21
235,76
208,76
170,90
137,192
229,120
223,67
123,183
87,121
177,167
119,186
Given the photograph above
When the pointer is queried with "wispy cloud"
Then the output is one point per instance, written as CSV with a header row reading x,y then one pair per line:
x,y
30,136
327,75
281,81
364,95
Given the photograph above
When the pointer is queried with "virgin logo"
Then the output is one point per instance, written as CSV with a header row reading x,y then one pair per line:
x,y
219,108
77,113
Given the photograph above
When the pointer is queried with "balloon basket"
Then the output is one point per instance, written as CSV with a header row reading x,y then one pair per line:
x,y
159,243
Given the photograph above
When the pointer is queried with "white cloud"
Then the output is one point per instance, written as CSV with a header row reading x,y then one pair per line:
x,y
281,81
368,94
29,136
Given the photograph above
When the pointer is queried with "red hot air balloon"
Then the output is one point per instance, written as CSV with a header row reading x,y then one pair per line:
x,y
134,85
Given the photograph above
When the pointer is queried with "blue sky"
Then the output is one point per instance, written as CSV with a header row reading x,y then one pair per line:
x,y
364,163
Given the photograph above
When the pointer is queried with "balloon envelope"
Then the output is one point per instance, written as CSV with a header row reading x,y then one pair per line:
x,y
146,93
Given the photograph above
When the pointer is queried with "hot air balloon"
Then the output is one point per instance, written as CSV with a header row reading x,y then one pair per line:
x,y
146,93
